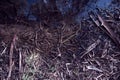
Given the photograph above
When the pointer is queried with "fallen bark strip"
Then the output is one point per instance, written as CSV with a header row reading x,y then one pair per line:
x,y
20,63
104,26
111,33
11,63
90,48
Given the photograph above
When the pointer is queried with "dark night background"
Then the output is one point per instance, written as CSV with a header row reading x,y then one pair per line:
x,y
40,10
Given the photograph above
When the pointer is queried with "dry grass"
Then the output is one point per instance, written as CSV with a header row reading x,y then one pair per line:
x,y
67,52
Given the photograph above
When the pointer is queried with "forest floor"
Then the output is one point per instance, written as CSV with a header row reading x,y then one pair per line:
x,y
86,51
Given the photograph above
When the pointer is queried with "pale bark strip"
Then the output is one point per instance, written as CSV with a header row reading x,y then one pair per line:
x,y
11,63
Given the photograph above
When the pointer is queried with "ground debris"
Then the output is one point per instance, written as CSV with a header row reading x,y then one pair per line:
x,y
67,52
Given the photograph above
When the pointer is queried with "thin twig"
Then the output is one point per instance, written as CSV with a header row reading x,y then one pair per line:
x,y
10,71
91,47
71,36
11,64
20,63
